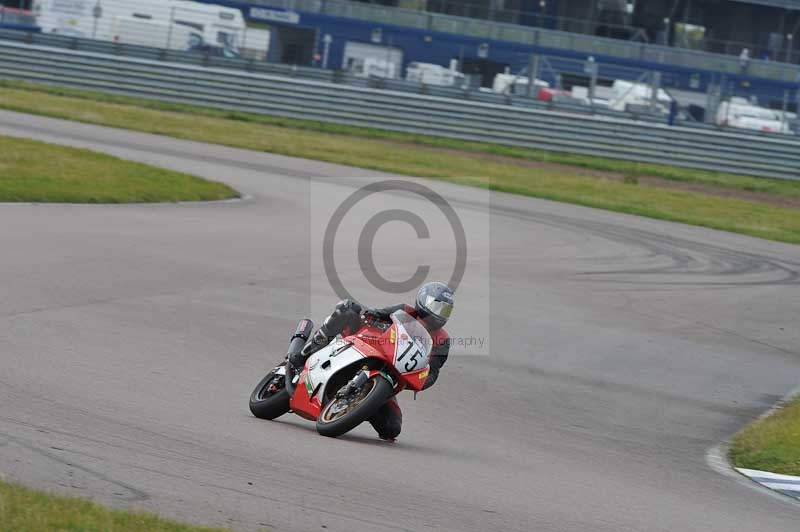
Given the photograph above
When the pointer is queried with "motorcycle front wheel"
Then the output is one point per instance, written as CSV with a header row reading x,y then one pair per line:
x,y
270,399
341,415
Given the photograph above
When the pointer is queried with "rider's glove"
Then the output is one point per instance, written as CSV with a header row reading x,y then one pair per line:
x,y
350,304
373,314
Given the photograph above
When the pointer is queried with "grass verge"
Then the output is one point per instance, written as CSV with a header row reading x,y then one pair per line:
x,y
28,97
772,443
25,510
519,171
39,172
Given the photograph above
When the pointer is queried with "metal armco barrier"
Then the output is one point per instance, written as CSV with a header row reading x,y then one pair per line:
x,y
765,156
54,40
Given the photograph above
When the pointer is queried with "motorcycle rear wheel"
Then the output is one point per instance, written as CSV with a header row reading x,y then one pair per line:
x,y
333,423
266,404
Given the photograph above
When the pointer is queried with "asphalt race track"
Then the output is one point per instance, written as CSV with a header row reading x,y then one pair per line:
x,y
618,351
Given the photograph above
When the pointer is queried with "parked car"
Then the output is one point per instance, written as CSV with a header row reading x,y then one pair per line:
x,y
508,83
18,19
740,113
215,51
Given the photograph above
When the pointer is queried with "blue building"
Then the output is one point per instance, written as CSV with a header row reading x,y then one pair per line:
x,y
345,35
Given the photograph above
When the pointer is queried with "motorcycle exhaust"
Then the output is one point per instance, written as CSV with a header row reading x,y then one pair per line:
x,y
299,339
300,336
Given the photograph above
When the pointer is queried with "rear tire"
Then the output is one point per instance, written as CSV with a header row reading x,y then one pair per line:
x,y
269,405
366,407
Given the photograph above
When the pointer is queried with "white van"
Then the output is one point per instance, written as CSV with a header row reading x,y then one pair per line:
x,y
97,19
627,93
255,44
131,30
371,60
432,74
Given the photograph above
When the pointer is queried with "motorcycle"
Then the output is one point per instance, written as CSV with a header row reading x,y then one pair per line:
x,y
345,383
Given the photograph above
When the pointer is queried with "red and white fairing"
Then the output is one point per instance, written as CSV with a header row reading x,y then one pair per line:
x,y
405,347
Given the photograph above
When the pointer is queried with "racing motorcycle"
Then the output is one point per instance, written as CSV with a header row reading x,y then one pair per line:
x,y
347,381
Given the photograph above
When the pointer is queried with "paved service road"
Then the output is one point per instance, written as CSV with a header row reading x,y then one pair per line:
x,y
619,350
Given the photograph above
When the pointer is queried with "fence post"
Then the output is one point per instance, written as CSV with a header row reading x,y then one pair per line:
x,y
533,73
797,101
729,90
784,105
327,39
655,84
712,102
169,30
591,69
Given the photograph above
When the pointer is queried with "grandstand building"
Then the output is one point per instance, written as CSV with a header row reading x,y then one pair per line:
x,y
629,39
766,28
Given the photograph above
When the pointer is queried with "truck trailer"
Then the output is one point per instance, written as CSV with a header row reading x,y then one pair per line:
x,y
175,24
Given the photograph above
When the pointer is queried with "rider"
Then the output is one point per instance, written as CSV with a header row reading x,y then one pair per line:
x,y
432,307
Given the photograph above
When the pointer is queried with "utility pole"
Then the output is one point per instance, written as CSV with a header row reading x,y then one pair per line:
x,y
542,6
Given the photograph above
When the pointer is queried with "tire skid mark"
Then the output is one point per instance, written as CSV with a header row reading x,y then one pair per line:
x,y
686,257
137,495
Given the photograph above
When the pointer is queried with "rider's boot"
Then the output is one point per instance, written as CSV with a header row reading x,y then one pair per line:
x,y
344,312
388,421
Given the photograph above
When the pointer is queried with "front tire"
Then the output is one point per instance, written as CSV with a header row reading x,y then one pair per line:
x,y
339,416
267,403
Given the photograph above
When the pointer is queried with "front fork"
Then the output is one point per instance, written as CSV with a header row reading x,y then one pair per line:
x,y
361,378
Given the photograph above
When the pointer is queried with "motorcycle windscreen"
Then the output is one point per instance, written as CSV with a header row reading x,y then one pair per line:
x,y
413,345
